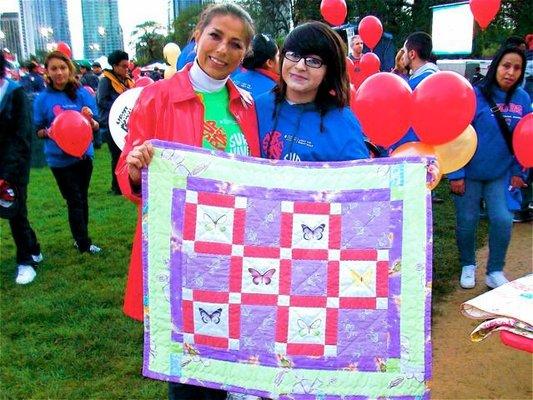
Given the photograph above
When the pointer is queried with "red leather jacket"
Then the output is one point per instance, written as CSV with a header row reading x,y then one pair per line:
x,y
170,110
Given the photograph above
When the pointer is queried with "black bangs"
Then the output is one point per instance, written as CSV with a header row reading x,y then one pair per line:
x,y
308,39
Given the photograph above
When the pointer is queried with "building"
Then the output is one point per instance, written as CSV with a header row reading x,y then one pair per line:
x,y
43,24
101,30
10,37
178,6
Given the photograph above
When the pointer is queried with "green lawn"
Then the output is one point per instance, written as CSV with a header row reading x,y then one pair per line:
x,y
64,335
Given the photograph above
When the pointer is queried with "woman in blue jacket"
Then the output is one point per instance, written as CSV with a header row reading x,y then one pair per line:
x,y
306,117
72,174
493,170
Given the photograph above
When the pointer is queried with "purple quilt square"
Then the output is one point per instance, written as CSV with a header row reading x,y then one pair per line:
x,y
258,328
206,272
308,277
366,225
363,333
263,222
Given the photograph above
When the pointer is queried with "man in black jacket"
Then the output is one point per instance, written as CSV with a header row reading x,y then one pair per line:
x,y
15,151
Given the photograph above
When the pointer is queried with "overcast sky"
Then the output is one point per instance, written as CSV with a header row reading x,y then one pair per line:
x,y
131,13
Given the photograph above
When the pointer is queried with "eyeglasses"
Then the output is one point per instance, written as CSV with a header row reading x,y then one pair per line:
x,y
310,61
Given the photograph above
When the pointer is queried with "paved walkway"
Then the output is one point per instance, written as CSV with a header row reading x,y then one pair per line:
x,y
488,369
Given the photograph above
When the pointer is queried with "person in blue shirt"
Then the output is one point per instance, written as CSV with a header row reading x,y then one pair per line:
x,y
416,58
493,170
261,67
72,174
306,117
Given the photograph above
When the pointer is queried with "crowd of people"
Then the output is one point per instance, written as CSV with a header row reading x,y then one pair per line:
x,y
295,106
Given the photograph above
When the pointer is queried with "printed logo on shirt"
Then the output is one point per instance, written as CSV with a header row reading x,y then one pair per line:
x,y
59,108
238,144
292,157
273,145
215,135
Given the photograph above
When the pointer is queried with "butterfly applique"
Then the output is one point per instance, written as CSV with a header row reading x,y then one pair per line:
x,y
308,329
363,278
211,223
313,234
214,317
258,277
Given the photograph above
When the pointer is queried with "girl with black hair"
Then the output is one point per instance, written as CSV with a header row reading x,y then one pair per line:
x,y
72,174
261,73
306,117
493,170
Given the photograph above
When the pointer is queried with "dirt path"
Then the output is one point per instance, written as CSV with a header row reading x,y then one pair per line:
x,y
486,370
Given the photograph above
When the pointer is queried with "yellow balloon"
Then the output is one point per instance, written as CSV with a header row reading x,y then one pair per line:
x,y
169,72
456,153
171,52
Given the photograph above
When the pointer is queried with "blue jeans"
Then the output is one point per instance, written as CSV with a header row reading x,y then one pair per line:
x,y
500,221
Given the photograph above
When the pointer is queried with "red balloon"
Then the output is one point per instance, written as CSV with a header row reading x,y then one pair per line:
x,y
143,81
523,141
383,106
72,132
444,104
370,30
370,64
64,48
90,90
484,11
334,11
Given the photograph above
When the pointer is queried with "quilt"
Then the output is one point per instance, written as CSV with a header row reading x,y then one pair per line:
x,y
287,280
506,308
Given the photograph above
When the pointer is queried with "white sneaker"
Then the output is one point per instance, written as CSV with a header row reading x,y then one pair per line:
x,y
93,249
25,275
468,277
37,257
495,279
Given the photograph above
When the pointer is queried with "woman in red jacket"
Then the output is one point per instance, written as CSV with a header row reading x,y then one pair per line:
x,y
187,108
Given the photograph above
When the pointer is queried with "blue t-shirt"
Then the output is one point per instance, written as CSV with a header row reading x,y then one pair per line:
x,y
421,74
46,107
295,134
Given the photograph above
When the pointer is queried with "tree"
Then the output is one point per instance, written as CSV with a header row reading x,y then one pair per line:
x,y
183,26
270,16
149,42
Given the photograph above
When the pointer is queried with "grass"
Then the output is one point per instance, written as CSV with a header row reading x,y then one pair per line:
x,y
64,336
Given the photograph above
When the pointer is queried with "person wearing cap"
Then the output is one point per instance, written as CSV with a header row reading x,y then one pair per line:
x,y
113,83
261,72
88,77
97,68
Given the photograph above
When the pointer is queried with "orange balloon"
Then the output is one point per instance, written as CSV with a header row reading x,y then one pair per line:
x,y
414,149
456,153
418,149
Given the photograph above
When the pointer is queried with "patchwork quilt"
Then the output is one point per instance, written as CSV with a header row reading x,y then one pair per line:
x,y
287,280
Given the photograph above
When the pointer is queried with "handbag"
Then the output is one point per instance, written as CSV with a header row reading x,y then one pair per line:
x,y
504,128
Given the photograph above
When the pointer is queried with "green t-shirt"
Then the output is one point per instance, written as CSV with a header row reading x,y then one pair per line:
x,y
221,130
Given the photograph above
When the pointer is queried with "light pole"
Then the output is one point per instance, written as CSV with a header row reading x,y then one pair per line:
x,y
95,49
47,32
102,34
